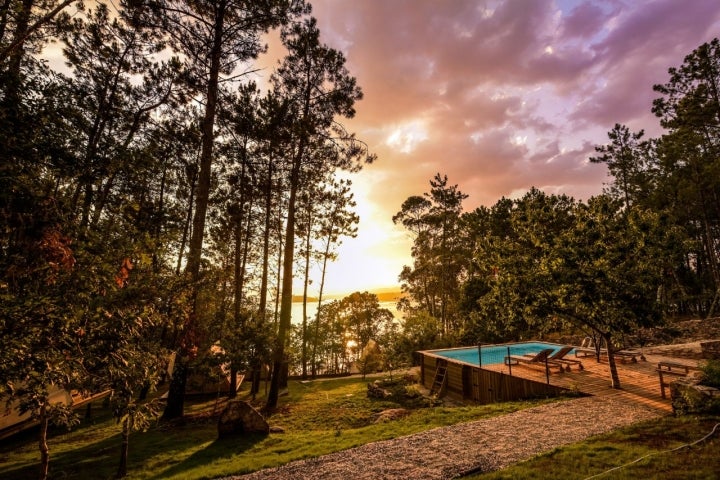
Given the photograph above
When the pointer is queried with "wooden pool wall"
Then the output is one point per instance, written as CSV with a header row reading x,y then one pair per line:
x,y
471,382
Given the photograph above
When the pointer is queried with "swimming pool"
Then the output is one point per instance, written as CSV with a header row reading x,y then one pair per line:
x,y
494,354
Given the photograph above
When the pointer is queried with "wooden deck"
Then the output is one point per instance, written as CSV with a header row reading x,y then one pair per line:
x,y
639,381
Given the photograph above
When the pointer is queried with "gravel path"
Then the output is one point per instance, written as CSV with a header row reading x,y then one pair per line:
x,y
483,445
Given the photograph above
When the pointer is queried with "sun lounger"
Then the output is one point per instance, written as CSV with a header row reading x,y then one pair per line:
x,y
540,358
559,357
624,355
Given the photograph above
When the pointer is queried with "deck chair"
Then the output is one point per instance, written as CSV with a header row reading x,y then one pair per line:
x,y
623,355
627,354
538,359
559,356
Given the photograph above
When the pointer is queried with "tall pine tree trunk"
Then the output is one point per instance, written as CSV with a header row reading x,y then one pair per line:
x,y
306,281
176,395
326,255
192,178
266,245
287,281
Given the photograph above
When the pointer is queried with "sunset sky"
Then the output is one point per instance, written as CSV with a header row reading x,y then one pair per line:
x,y
498,95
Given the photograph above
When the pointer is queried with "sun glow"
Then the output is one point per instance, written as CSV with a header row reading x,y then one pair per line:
x,y
406,138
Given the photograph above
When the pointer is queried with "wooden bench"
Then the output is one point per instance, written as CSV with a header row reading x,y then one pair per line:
x,y
674,370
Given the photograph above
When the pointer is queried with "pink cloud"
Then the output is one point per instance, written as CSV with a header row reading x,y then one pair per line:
x,y
585,21
507,97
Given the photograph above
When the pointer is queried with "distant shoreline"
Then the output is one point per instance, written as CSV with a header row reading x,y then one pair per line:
x,y
383,294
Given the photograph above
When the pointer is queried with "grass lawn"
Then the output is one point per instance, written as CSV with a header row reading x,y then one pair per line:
x,y
318,417
601,453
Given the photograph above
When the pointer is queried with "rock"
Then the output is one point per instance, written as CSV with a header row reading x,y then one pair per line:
x,y
411,377
376,391
390,415
711,350
240,417
276,429
690,397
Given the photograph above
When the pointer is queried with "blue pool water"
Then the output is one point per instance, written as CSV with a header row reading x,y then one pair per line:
x,y
492,354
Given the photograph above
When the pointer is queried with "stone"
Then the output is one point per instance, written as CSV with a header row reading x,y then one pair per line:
x,y
239,417
276,429
688,396
390,415
711,350
376,391
411,377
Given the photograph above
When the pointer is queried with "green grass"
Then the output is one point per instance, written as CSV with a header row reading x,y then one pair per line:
x,y
599,454
318,417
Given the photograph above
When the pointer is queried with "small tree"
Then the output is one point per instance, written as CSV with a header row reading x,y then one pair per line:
x,y
132,363
363,318
40,355
418,331
369,360
605,272
590,265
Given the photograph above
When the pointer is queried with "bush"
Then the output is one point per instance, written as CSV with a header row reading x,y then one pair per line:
x,y
711,373
690,396
404,392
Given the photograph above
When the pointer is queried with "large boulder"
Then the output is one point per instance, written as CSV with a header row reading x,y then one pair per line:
x,y
240,417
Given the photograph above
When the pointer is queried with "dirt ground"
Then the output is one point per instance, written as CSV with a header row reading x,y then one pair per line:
x,y
479,446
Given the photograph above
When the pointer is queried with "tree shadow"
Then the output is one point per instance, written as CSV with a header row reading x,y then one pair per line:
x,y
218,449
100,458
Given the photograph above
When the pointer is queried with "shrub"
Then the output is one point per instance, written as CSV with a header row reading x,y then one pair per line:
x,y
711,373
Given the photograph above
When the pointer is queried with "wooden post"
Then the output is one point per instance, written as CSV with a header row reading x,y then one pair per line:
x,y
547,370
509,362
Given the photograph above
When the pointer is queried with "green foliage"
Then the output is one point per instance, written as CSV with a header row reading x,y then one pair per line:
x,y
369,361
362,318
405,392
327,334
686,170
419,331
711,373
627,158
556,263
517,264
440,252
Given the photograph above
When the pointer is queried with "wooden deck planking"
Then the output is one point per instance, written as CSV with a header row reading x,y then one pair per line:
x,y
639,381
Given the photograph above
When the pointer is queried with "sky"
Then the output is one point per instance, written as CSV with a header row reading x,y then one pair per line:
x,y
500,96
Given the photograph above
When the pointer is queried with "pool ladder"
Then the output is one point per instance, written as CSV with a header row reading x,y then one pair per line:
x,y
440,377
